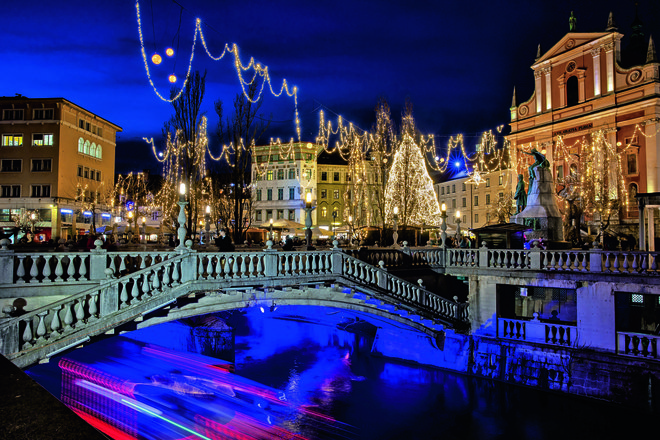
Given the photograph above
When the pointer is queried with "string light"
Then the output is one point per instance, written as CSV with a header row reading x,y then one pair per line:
x,y
156,59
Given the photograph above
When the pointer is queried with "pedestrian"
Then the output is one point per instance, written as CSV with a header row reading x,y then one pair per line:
x,y
223,241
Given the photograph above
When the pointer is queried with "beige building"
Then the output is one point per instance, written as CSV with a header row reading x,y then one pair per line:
x,y
57,161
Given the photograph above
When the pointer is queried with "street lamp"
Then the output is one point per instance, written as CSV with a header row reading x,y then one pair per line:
x,y
443,226
129,229
458,226
207,223
308,221
334,222
271,229
181,231
350,230
395,235
144,228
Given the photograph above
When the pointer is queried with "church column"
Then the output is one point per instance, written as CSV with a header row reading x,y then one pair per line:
x,y
548,90
652,147
538,90
595,54
642,225
609,65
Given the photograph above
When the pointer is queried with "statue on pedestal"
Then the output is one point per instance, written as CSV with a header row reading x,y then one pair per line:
x,y
540,162
520,195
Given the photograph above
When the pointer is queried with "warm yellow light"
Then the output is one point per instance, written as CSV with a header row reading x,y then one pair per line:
x,y
458,214
32,216
169,52
208,209
172,78
144,220
444,207
156,59
271,222
350,218
130,214
396,210
182,189
309,197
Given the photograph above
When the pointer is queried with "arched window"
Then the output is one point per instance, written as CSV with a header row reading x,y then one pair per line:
x,y
572,91
81,145
92,150
98,152
86,150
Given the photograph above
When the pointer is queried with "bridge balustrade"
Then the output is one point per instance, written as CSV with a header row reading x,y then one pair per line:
x,y
537,331
638,345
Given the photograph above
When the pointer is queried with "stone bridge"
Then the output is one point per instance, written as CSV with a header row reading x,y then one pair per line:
x,y
91,294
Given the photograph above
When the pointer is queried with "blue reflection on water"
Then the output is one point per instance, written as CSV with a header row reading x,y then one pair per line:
x,y
327,374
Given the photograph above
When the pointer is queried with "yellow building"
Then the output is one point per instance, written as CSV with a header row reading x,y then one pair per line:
x,y
57,160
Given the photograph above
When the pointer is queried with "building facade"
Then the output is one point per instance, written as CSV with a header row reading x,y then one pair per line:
x,y
57,166
589,93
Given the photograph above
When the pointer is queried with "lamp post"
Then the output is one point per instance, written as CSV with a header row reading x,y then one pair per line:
x,y
271,229
395,235
181,232
129,229
350,230
33,219
144,229
207,223
458,226
334,221
443,226
308,221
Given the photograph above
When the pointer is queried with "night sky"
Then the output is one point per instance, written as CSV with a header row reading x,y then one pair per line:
x,y
457,62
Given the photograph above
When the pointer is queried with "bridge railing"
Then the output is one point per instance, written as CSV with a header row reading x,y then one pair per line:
x,y
537,331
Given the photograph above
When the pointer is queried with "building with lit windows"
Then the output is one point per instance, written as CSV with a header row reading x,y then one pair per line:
x,y
593,100
332,185
281,178
56,159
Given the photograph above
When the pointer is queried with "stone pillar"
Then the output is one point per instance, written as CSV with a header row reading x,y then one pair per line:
x,y
97,263
642,226
652,148
270,260
651,229
548,89
538,91
595,54
609,66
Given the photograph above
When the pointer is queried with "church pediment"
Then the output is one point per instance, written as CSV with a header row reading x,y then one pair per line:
x,y
569,42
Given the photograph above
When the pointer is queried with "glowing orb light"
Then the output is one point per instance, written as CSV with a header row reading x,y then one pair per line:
x,y
457,164
156,59
172,78
169,51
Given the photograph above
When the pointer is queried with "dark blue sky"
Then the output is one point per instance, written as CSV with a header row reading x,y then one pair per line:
x,y
456,61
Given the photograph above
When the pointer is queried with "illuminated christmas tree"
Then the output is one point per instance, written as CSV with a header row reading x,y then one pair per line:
x,y
410,187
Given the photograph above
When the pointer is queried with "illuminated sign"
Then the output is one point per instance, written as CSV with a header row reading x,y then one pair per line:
x,y
130,205
66,211
573,129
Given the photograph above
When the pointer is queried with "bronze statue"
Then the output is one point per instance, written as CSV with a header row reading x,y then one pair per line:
x,y
520,195
572,23
540,162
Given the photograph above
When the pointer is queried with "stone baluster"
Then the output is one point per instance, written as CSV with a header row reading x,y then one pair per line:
x,y
71,269
218,267
55,324
227,267
146,289
27,334
201,267
124,298
59,269
244,273
209,266
654,262
47,271
80,310
20,272
645,260
34,269
260,266
41,327
82,270
634,262
155,285
122,265
68,316
135,289
93,307
251,264
625,262
166,275
234,266
143,263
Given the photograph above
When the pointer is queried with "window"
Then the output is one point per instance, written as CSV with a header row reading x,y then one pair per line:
x,y
12,140
11,165
98,176
280,214
487,182
348,177
86,147
269,175
464,187
258,215
42,165
501,180
476,218
280,193
86,173
572,91
464,202
99,132
12,115
92,150
453,188
87,126
307,174
324,193
487,199
99,152
258,195
276,157
632,193
80,171
40,190
44,113
280,174
336,194
335,177
560,172
269,214
324,176
81,145
292,215
11,190
500,196
292,193
464,217
42,140
292,173
269,194
324,212
453,203
335,213
442,191
81,123
476,200
154,216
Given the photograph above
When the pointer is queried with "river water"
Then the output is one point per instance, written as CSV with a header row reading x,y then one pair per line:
x,y
317,363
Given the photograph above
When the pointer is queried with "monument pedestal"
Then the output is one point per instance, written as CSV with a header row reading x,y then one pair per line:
x,y
541,213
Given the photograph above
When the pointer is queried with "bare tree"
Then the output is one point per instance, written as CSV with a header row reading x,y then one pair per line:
x,y
381,149
241,132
